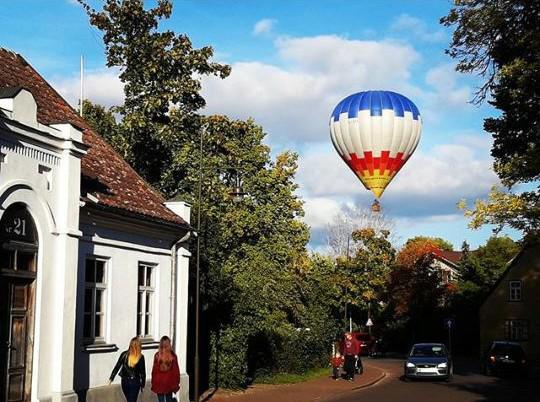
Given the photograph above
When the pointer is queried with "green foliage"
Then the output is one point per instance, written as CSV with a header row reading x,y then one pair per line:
x,y
438,241
481,269
500,40
161,72
104,123
363,276
288,378
258,285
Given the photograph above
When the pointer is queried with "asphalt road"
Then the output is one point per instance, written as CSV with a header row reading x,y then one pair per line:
x,y
467,385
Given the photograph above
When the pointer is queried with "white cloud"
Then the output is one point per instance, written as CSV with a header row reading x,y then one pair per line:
x,y
447,92
417,28
429,184
294,102
264,26
319,211
102,87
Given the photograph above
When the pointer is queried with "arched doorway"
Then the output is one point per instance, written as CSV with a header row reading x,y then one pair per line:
x,y
18,265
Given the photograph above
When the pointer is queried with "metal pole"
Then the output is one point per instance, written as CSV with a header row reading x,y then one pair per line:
x,y
369,316
450,339
197,290
82,87
347,289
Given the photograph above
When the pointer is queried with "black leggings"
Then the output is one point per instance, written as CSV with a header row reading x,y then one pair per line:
x,y
349,365
131,388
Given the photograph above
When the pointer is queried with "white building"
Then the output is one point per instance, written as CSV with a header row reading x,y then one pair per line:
x,y
90,255
447,263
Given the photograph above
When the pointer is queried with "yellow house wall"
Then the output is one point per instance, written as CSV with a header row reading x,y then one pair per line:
x,y
497,308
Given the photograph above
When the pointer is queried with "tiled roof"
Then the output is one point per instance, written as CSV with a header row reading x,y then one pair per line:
x,y
104,173
451,256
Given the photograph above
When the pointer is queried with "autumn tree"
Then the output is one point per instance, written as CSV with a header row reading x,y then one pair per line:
x,y
415,289
500,41
438,241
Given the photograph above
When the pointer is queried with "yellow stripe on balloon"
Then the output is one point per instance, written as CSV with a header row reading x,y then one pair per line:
x,y
375,182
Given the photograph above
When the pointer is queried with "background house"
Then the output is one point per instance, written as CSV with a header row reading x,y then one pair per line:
x,y
510,311
90,255
447,262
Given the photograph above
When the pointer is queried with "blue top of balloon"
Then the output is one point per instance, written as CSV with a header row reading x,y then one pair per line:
x,y
375,102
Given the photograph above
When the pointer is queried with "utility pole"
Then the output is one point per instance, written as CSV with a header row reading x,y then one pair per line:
x,y
82,87
346,288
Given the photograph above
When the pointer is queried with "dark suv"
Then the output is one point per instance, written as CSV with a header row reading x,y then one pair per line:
x,y
505,358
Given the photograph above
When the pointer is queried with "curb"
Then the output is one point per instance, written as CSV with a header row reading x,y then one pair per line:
x,y
372,382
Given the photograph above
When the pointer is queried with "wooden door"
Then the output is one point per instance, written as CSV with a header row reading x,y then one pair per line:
x,y
18,255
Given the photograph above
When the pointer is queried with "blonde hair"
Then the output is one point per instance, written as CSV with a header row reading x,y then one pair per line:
x,y
165,353
134,352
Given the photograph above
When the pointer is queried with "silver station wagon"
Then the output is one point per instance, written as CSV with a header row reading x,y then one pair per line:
x,y
428,360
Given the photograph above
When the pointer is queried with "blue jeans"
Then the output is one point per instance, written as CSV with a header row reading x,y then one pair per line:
x,y
131,388
164,397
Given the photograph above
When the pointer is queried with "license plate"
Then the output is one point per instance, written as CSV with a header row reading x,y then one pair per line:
x,y
427,370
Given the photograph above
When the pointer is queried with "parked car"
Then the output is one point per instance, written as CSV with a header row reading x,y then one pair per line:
x,y
428,360
505,358
366,341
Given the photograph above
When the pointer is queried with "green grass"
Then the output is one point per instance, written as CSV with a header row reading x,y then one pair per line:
x,y
288,378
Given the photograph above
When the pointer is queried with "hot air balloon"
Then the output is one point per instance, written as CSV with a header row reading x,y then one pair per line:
x,y
375,133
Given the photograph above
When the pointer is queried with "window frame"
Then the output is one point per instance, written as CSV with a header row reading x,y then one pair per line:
x,y
95,287
511,296
146,307
516,329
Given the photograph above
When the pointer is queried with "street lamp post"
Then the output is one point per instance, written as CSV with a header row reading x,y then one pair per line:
x,y
237,195
198,266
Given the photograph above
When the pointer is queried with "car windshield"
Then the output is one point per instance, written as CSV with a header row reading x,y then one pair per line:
x,y
428,351
511,350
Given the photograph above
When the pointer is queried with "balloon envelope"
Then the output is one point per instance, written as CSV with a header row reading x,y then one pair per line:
x,y
375,133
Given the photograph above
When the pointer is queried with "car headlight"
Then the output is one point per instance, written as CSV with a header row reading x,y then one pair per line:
x,y
442,365
410,365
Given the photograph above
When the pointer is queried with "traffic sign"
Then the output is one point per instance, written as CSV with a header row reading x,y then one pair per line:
x,y
449,323
369,323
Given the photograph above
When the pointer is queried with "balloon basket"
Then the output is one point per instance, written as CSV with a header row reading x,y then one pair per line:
x,y
376,206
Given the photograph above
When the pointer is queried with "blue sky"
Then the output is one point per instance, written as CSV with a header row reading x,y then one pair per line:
x,y
292,61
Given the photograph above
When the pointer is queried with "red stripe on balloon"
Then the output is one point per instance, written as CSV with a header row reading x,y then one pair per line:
x,y
385,160
383,163
368,156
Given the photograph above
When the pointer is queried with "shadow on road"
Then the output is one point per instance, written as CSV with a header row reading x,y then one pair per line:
x,y
468,379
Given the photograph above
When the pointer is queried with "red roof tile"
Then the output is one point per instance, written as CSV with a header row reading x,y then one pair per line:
x,y
104,173
451,256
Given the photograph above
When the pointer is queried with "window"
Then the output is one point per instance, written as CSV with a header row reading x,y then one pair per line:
x,y
445,276
145,300
516,330
515,291
94,300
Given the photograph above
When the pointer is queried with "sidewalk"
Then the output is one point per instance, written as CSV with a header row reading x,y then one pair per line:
x,y
318,390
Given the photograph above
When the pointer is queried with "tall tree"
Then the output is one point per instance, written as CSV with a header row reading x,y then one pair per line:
x,y
416,291
500,41
161,71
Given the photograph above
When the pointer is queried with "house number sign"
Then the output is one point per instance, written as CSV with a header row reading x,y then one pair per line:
x,y
17,224
17,227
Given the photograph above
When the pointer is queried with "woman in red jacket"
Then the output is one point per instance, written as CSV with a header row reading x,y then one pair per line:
x,y
165,371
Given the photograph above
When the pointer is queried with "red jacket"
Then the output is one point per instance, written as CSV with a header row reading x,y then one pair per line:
x,y
350,347
336,361
165,378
